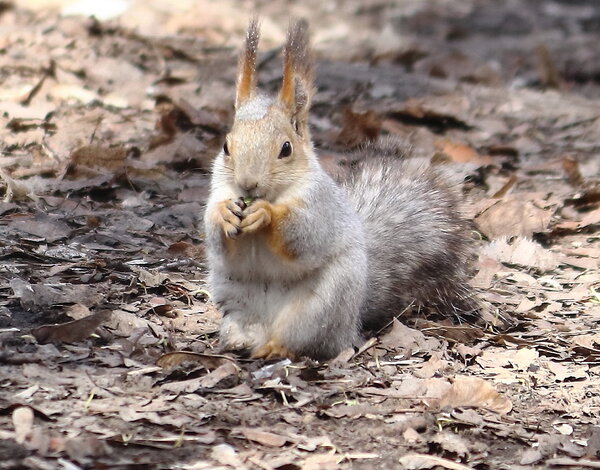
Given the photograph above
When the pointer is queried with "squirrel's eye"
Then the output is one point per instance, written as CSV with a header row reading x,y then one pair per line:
x,y
286,150
226,149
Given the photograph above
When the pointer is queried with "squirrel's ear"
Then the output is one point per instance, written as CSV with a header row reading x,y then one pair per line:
x,y
297,86
246,80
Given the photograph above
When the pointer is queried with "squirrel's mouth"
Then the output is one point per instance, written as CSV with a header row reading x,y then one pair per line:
x,y
253,194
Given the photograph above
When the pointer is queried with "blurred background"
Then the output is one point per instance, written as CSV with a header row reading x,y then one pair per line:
x,y
517,42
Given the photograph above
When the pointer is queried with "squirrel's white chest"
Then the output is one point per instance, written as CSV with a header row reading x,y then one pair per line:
x,y
253,260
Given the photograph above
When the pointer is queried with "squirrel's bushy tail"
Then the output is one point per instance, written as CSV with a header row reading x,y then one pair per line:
x,y
416,237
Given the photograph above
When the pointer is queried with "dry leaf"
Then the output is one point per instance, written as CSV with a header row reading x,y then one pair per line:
x,y
452,443
90,159
409,339
418,461
461,334
519,359
416,112
523,358
38,297
358,128
227,455
461,153
226,374
431,367
475,392
562,372
521,252
571,168
44,226
263,437
321,462
513,218
174,359
73,331
22,419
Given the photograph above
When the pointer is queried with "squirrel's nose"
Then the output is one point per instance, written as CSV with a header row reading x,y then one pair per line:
x,y
247,183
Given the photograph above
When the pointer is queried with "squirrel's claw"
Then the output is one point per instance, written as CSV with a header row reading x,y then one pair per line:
x,y
234,208
230,218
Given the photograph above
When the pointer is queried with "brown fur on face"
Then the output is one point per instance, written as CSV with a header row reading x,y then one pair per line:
x,y
255,142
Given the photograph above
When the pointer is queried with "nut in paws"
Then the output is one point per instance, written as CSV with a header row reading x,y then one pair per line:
x,y
256,217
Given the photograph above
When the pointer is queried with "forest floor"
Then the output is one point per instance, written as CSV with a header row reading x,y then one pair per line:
x,y
108,126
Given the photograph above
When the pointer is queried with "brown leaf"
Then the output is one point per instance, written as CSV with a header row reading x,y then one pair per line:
x,y
174,359
183,148
461,153
22,419
43,226
73,331
168,129
182,249
358,128
200,117
519,359
39,296
431,367
451,443
416,113
511,218
521,252
500,193
263,437
562,372
588,199
548,73
224,376
591,218
321,462
418,461
459,333
401,336
77,311
475,392
97,157
227,455
571,168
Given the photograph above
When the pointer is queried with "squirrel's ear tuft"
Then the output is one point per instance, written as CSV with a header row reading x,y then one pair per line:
x,y
246,80
297,86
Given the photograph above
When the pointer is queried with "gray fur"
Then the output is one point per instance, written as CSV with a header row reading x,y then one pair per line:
x,y
415,235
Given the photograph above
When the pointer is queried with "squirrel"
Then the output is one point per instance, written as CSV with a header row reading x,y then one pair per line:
x,y
301,265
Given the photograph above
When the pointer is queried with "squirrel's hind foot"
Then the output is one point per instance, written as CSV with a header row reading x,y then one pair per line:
x,y
273,349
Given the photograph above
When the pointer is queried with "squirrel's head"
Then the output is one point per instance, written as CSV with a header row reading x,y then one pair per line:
x,y
268,148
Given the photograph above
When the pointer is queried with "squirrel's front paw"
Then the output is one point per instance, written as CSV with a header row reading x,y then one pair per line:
x,y
229,218
255,217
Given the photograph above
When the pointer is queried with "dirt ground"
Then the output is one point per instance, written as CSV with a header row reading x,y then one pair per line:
x,y
110,114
